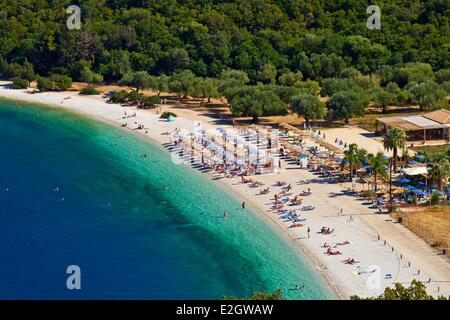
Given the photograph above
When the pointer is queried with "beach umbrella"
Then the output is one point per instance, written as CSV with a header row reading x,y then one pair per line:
x,y
418,192
398,191
420,157
369,179
422,185
424,194
404,180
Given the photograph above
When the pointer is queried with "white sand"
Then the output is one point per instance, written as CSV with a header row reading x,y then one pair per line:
x,y
355,135
328,199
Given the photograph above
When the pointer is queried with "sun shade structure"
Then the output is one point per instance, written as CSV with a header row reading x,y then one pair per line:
x,y
415,171
297,131
404,180
425,123
433,125
442,116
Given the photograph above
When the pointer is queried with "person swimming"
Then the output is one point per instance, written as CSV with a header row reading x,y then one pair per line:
x,y
225,215
298,287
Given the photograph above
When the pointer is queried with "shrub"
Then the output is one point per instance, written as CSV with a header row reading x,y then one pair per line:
x,y
12,70
28,72
167,114
88,91
331,86
19,83
119,96
435,198
150,102
416,291
308,86
45,84
87,75
446,86
135,96
61,82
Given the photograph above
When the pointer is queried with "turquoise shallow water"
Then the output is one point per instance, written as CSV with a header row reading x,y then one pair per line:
x,y
113,216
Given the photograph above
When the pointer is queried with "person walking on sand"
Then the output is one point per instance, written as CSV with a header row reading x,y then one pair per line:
x,y
309,230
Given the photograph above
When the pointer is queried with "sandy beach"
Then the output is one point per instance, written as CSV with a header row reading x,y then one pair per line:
x,y
381,246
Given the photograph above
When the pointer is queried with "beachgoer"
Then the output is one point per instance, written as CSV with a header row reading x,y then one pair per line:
x,y
243,205
225,215
309,230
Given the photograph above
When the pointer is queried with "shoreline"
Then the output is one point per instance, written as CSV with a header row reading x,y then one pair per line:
x,y
272,223
312,260
336,276
315,265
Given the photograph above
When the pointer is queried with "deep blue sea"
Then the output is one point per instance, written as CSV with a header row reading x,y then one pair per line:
x,y
75,191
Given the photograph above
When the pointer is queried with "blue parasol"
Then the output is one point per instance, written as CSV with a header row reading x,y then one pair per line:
x,y
404,180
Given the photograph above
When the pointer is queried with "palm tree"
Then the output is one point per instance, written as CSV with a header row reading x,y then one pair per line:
x,y
393,140
377,163
353,156
439,169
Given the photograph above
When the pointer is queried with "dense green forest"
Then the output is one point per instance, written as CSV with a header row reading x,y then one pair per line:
x,y
264,52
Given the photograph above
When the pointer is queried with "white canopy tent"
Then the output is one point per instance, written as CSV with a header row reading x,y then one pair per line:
x,y
415,171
